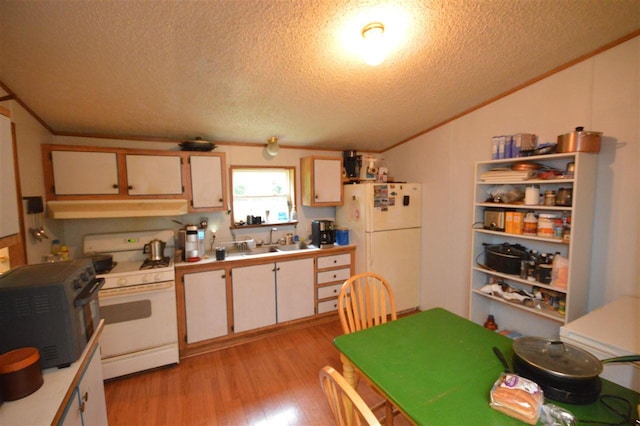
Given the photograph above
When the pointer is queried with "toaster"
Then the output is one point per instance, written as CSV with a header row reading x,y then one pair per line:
x,y
494,219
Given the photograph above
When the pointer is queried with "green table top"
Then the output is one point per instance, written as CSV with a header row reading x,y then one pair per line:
x,y
438,368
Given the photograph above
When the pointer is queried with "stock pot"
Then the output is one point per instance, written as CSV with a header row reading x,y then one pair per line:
x,y
566,373
579,141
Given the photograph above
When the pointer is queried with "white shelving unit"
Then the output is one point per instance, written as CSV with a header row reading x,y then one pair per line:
x,y
518,317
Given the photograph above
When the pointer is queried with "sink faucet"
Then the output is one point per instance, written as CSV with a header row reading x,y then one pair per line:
x,y
271,235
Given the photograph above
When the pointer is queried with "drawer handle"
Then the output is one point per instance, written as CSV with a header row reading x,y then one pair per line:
x,y
334,276
335,261
114,186
335,290
86,396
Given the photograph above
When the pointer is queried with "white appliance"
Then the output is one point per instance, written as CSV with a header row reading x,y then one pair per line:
x,y
610,331
384,221
137,302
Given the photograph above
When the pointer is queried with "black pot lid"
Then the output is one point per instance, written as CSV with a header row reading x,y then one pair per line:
x,y
557,358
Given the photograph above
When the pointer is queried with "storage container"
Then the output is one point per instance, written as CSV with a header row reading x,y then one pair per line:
x,y
20,373
342,236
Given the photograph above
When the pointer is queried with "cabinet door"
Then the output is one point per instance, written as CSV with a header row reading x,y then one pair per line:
x,y
205,297
9,222
206,182
85,173
154,174
327,181
295,287
72,415
91,388
254,297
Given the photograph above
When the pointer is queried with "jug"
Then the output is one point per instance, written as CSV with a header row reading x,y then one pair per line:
x,y
155,248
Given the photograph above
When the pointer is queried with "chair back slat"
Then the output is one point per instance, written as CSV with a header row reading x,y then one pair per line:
x,y
347,406
365,300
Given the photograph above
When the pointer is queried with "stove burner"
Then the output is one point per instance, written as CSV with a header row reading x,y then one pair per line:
x,y
151,264
107,270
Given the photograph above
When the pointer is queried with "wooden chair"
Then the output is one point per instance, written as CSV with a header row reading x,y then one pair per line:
x,y
347,406
365,300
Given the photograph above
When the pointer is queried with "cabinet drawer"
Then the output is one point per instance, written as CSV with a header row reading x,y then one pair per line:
x,y
328,306
335,275
329,291
337,260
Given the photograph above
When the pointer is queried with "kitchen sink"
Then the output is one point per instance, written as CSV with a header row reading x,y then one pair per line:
x,y
261,250
293,247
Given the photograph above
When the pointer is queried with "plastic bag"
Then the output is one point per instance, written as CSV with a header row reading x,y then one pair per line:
x,y
517,397
560,271
507,194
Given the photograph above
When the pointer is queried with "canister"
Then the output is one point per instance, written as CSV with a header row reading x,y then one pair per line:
x,y
20,373
545,225
532,195
549,198
342,236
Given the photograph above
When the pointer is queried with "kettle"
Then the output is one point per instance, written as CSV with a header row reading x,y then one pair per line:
x,y
155,248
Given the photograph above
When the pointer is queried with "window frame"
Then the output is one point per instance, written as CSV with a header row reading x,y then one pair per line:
x,y
292,188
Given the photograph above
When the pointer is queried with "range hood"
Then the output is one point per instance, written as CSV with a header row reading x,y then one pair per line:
x,y
79,209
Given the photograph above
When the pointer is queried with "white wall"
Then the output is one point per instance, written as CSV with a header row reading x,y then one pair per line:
x,y
601,94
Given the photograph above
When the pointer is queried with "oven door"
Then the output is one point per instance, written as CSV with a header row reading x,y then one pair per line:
x,y
138,318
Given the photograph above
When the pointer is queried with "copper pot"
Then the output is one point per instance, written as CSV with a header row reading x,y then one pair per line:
x,y
579,141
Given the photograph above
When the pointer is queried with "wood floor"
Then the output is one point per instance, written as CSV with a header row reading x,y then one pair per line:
x,y
272,381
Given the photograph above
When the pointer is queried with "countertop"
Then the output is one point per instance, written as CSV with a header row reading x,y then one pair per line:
x,y
210,257
47,404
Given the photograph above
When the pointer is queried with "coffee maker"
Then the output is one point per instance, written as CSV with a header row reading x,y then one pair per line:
x,y
323,233
352,163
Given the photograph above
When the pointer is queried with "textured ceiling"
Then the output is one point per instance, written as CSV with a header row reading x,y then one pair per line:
x,y
244,70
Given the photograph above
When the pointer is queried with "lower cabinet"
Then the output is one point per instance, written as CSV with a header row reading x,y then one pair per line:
x,y
294,286
272,293
87,405
254,297
222,303
331,272
205,295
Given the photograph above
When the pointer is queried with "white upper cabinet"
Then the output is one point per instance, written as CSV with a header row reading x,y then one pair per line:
x,y
321,181
77,174
85,173
9,222
207,182
154,175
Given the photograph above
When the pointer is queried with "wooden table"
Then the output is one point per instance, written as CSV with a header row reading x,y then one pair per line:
x,y
438,368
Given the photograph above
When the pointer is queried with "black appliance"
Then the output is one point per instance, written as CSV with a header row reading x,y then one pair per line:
x,y
352,163
323,233
505,257
50,306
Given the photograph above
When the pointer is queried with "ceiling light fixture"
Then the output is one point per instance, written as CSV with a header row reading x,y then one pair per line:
x,y
373,47
272,146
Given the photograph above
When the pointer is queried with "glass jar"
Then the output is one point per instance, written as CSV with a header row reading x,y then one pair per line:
x,y
545,225
549,198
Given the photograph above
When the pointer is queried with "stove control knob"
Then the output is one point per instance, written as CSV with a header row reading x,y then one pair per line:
x,y
77,283
122,281
156,277
146,278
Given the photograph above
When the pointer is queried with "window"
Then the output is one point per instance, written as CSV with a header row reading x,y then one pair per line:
x,y
264,192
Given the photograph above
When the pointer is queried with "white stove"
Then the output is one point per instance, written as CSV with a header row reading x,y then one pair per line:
x,y
137,302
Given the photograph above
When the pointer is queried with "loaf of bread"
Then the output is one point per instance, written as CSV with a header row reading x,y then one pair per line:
x,y
517,397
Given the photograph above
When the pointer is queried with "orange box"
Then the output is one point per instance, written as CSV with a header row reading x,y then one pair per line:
x,y
517,224
508,222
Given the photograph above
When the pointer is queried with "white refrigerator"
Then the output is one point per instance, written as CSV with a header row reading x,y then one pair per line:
x,y
384,221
